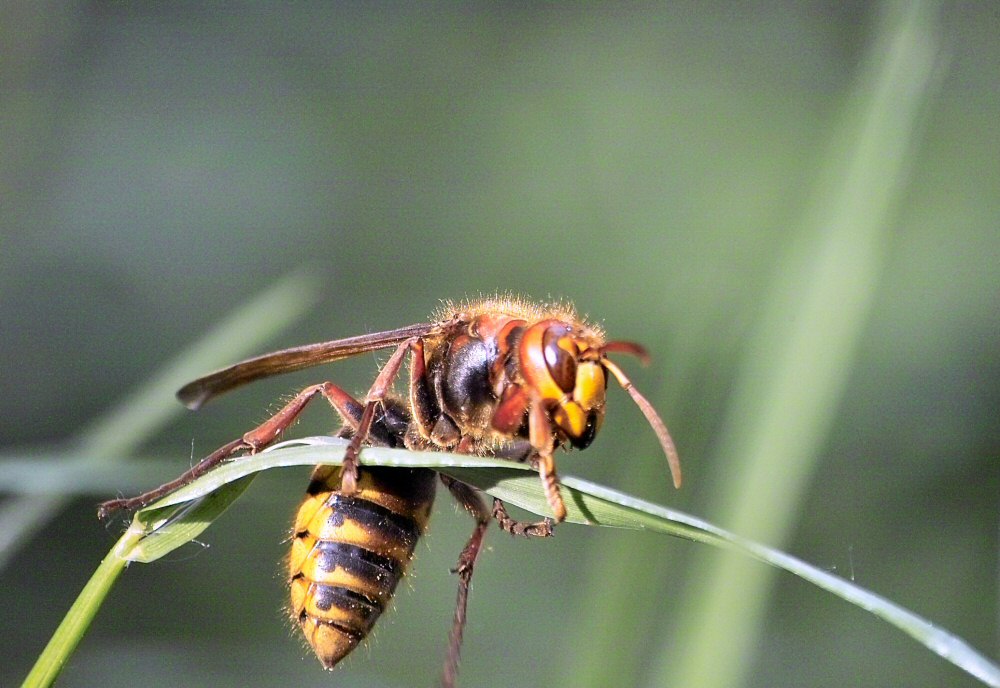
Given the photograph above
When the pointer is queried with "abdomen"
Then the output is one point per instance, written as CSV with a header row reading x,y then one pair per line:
x,y
349,552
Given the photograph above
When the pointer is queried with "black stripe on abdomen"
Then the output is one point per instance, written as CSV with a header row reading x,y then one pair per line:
x,y
374,517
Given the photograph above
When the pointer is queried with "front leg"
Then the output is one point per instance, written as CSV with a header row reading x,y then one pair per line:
x,y
542,441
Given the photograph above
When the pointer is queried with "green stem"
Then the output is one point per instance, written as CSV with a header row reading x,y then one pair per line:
x,y
74,625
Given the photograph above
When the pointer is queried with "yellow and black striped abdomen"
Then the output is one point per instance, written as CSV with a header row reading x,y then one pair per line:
x,y
349,552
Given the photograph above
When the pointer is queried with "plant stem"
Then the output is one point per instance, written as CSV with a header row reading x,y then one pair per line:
x,y
74,625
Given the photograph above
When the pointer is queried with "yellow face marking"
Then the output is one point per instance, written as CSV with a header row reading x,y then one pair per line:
x,y
589,391
571,418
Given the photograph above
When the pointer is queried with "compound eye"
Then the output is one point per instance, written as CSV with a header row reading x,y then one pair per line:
x,y
560,357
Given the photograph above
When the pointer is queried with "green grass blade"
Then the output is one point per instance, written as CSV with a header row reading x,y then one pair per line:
x,y
181,516
142,412
74,625
165,529
116,433
80,475
153,532
801,353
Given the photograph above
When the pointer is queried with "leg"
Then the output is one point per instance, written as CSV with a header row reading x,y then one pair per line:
x,y
433,426
423,403
472,502
540,436
550,481
507,524
105,509
260,437
379,389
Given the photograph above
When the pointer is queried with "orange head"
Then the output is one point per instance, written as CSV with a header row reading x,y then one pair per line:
x,y
564,368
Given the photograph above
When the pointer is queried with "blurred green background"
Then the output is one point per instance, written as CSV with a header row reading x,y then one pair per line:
x,y
794,206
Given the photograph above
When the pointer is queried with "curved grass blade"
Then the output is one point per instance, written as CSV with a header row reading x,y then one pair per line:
x,y
515,483
163,528
181,516
118,431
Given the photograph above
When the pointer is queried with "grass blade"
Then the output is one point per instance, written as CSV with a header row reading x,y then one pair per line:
x,y
139,414
802,352
181,516
74,625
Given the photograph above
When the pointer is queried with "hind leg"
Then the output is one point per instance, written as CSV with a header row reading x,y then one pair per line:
x,y
473,503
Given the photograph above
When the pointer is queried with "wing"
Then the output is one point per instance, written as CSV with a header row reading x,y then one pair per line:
x,y
195,394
